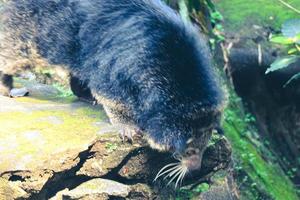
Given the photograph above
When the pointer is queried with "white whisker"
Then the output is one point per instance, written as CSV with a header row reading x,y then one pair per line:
x,y
185,171
181,176
173,172
175,175
162,172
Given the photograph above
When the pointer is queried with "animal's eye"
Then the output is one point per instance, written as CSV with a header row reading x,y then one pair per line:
x,y
191,151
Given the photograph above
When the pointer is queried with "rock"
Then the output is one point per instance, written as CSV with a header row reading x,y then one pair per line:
x,y
18,92
107,153
9,191
127,163
59,195
141,192
45,154
36,89
38,127
221,190
98,187
103,189
30,182
216,193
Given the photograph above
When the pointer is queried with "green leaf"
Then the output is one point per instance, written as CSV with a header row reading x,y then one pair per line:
x,y
292,50
219,27
295,77
282,62
220,38
217,16
202,188
184,11
282,40
297,39
291,28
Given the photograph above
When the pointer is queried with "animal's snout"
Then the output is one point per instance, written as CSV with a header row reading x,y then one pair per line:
x,y
192,159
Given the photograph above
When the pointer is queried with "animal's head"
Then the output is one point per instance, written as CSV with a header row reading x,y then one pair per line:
x,y
187,141
186,105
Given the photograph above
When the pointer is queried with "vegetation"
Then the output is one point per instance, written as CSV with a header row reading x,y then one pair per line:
x,y
290,38
63,93
259,175
46,130
268,13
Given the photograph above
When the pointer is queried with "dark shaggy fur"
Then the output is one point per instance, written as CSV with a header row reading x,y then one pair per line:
x,y
149,69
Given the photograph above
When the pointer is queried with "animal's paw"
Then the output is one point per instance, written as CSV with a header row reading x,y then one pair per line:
x,y
4,91
128,133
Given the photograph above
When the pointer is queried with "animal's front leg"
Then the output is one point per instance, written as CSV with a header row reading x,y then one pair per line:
x,y
129,133
120,119
6,84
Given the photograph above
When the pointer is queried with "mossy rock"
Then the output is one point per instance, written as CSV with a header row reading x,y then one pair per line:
x,y
259,175
240,16
35,127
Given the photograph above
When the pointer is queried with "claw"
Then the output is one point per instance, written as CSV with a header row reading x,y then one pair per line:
x,y
128,133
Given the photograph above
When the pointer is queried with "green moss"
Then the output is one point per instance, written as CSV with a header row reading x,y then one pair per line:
x,y
183,194
58,94
63,91
46,100
204,187
111,146
272,13
266,176
214,138
91,111
218,180
38,134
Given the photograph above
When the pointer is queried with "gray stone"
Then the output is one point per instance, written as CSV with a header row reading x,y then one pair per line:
x,y
98,187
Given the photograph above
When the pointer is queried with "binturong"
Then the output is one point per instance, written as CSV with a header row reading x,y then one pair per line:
x,y
151,71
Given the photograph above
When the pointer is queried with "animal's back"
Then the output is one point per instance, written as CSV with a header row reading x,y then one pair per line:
x,y
150,70
137,52
144,45
37,32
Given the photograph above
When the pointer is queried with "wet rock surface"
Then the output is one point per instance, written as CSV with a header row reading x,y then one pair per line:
x,y
61,148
